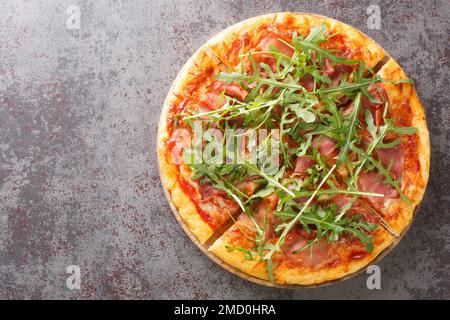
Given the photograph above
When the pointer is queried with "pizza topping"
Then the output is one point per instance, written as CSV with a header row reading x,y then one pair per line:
x,y
273,41
336,73
248,186
330,223
354,207
375,103
192,192
232,89
326,146
181,138
211,101
270,45
393,158
294,245
308,82
264,215
373,182
302,164
337,146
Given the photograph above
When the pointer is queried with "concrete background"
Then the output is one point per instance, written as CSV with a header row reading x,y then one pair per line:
x,y
79,183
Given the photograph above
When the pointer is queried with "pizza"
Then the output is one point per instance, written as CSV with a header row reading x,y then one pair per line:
x,y
293,149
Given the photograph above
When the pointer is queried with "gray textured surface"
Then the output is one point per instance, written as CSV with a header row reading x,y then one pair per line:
x,y
78,178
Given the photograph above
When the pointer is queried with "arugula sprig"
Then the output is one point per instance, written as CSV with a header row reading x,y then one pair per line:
x,y
351,129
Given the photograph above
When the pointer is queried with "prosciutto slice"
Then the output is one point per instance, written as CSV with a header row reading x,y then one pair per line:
x,y
377,108
265,44
212,100
326,146
357,207
273,40
266,209
216,203
394,156
231,89
302,164
180,139
307,81
371,181
248,186
336,73
296,240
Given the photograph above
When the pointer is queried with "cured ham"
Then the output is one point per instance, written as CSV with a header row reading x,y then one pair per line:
x,y
393,156
265,210
357,207
216,204
181,139
231,89
326,146
307,81
377,108
329,70
212,100
371,181
273,40
336,73
302,164
248,186
266,44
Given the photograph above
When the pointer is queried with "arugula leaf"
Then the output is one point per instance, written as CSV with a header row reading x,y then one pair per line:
x,y
265,192
248,254
371,127
405,130
271,180
351,129
317,33
306,115
269,268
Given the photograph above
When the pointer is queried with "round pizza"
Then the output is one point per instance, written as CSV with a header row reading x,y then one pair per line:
x,y
293,149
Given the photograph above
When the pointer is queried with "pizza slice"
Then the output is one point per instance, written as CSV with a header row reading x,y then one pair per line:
x,y
400,167
201,208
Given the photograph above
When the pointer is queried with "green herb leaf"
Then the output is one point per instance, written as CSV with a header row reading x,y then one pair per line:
x,y
351,130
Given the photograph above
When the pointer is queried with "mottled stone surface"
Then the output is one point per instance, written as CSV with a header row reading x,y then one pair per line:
x,y
79,182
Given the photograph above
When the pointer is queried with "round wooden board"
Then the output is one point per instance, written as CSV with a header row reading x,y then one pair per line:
x,y
204,247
